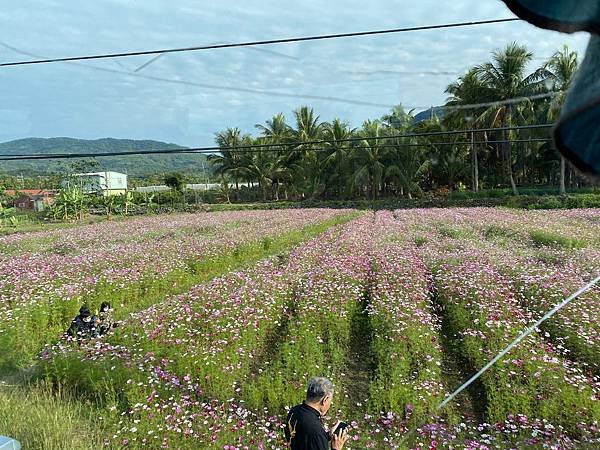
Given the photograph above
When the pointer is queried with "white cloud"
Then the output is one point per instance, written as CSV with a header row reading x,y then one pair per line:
x,y
61,99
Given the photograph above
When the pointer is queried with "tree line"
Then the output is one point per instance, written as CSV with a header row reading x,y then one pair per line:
x,y
373,161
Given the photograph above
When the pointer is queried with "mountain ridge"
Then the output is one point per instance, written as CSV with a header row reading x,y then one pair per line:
x,y
137,165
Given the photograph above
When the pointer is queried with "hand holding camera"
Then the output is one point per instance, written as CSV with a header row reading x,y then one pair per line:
x,y
339,435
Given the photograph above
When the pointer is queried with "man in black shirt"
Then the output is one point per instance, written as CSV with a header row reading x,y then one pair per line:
x,y
83,326
303,427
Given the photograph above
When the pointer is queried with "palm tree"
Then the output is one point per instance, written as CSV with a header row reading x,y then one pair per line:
x,y
369,156
445,154
398,119
406,166
303,158
560,71
337,134
264,166
505,78
468,90
230,162
277,131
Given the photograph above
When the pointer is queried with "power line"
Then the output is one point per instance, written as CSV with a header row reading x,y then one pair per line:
x,y
519,338
212,86
393,136
257,43
456,72
509,101
281,94
147,63
250,149
213,149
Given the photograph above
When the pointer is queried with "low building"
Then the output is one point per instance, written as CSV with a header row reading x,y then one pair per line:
x,y
192,187
105,183
31,199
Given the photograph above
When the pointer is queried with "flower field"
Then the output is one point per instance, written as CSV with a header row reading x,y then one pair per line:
x,y
45,276
397,308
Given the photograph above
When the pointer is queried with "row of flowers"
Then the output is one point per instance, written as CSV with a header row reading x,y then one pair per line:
x,y
543,274
41,292
124,252
218,366
485,314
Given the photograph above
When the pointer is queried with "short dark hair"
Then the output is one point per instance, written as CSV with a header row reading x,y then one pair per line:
x,y
84,311
104,306
318,387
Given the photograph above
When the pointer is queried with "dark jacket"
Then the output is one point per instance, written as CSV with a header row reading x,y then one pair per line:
x,y
304,429
80,329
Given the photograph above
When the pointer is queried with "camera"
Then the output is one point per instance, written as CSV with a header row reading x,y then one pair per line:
x,y
340,428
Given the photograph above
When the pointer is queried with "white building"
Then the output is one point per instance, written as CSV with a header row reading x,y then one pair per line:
x,y
105,183
191,187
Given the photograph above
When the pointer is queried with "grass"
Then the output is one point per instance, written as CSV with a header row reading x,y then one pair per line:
x,y
40,417
32,225
547,238
454,232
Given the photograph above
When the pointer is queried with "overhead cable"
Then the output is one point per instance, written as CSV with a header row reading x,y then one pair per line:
x,y
258,43
353,139
509,101
270,148
270,93
221,88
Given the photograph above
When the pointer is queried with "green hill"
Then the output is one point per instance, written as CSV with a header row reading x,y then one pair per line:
x,y
136,165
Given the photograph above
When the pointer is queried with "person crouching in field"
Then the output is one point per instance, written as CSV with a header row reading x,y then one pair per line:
x,y
105,319
84,325
304,428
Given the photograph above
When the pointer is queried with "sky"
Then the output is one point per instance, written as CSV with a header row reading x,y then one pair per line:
x,y
185,98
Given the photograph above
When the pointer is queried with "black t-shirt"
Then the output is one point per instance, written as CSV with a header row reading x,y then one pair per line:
x,y
304,429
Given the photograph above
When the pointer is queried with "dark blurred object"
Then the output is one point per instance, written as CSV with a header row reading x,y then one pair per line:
x,y
577,132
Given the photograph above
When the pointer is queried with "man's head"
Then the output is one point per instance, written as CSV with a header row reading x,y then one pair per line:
x,y
319,394
85,314
104,307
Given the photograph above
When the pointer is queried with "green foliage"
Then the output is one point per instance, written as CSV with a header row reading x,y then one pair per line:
x,y
8,217
542,237
354,164
497,231
420,241
571,201
69,204
175,181
126,201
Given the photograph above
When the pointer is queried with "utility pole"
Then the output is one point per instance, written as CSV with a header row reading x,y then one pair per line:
x,y
561,189
475,164
205,178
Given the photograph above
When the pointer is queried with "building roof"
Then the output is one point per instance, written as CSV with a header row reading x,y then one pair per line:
x,y
29,192
100,174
